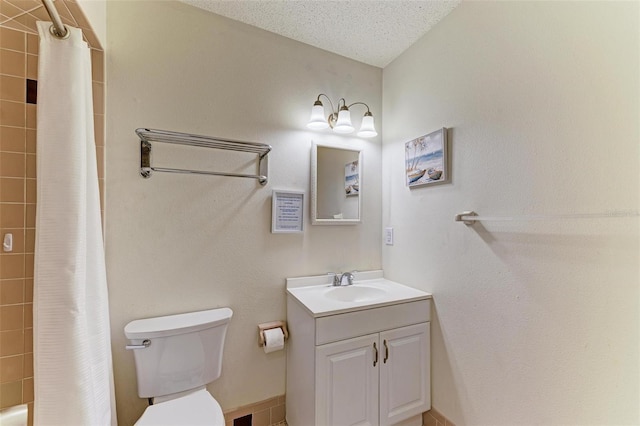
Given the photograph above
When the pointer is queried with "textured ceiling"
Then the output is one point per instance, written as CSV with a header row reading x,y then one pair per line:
x,y
371,31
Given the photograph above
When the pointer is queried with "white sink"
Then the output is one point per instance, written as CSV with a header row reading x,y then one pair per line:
x,y
370,289
355,293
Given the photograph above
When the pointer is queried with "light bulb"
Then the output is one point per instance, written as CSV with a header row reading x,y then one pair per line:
x,y
317,120
343,124
367,129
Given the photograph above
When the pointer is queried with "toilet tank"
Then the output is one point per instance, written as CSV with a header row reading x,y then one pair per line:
x,y
185,350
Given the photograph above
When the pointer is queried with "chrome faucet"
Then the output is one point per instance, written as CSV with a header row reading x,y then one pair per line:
x,y
338,279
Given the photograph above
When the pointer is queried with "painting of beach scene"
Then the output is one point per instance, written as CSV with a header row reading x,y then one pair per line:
x,y
351,178
426,159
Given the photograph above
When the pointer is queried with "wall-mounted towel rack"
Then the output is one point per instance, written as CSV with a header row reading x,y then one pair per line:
x,y
147,136
471,217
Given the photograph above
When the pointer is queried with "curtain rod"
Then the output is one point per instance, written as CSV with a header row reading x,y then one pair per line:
x,y
57,29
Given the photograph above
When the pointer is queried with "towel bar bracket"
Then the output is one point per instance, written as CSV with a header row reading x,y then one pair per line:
x,y
464,217
145,159
263,169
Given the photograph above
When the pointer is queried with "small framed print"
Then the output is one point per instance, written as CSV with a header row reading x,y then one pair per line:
x,y
352,178
287,212
426,159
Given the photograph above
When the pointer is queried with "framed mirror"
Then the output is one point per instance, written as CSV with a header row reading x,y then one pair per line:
x,y
336,185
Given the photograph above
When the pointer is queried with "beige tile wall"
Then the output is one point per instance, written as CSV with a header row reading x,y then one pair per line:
x,y
19,62
434,418
272,412
264,413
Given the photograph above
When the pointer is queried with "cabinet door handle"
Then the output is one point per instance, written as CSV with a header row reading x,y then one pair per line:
x,y
375,350
386,352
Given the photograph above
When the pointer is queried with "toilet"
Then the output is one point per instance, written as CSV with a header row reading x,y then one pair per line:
x,y
175,357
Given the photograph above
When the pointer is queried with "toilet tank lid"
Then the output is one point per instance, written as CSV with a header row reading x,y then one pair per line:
x,y
177,324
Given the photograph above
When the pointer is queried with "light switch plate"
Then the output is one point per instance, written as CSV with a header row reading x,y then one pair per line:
x,y
388,236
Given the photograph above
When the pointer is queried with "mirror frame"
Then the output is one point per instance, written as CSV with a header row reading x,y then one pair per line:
x,y
315,220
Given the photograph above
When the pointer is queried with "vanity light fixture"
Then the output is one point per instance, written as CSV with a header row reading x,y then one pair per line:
x,y
340,119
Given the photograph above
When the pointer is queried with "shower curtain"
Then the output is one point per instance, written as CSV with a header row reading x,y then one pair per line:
x,y
73,375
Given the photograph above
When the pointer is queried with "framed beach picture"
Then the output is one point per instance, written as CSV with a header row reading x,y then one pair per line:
x,y
352,178
426,161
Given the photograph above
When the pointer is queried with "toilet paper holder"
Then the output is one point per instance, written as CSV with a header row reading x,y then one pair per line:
x,y
271,325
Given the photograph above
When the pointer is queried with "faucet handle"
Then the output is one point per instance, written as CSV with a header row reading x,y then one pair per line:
x,y
336,278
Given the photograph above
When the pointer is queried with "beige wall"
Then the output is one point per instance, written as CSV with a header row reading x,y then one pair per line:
x,y
180,243
537,322
96,13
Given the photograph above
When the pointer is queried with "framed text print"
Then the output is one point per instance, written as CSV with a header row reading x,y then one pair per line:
x,y
287,208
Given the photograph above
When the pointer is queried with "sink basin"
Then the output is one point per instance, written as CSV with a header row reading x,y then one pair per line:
x,y
370,289
355,293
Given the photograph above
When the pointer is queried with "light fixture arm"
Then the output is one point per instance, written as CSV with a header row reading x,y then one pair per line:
x,y
361,103
329,99
333,116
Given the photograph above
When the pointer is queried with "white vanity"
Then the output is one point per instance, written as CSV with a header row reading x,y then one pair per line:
x,y
357,354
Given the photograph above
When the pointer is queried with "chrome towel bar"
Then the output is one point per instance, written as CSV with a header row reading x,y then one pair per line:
x,y
471,217
147,136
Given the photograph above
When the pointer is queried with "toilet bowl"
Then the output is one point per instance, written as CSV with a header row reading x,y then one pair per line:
x,y
175,357
195,409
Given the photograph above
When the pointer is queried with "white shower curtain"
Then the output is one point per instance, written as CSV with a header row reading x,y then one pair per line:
x,y
73,374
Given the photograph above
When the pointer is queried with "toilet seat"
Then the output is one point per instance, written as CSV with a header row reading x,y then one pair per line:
x,y
196,409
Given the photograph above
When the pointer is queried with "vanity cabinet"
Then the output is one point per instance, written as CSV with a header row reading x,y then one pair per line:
x,y
368,367
375,379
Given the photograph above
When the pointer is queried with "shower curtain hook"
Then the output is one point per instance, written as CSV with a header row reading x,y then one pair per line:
x,y
54,32
58,28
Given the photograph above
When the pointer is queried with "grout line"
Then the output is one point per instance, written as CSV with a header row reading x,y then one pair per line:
x,y
24,12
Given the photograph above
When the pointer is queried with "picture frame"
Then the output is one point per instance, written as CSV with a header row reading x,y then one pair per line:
x,y
352,178
427,160
287,212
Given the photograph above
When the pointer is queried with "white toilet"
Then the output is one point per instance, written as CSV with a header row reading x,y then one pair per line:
x,y
176,356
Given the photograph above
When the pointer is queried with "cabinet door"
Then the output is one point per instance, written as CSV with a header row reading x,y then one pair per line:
x,y
405,373
347,382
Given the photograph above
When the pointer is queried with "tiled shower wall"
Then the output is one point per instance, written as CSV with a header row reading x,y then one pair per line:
x,y
18,109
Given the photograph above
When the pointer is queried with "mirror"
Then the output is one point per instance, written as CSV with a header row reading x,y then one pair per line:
x,y
336,185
